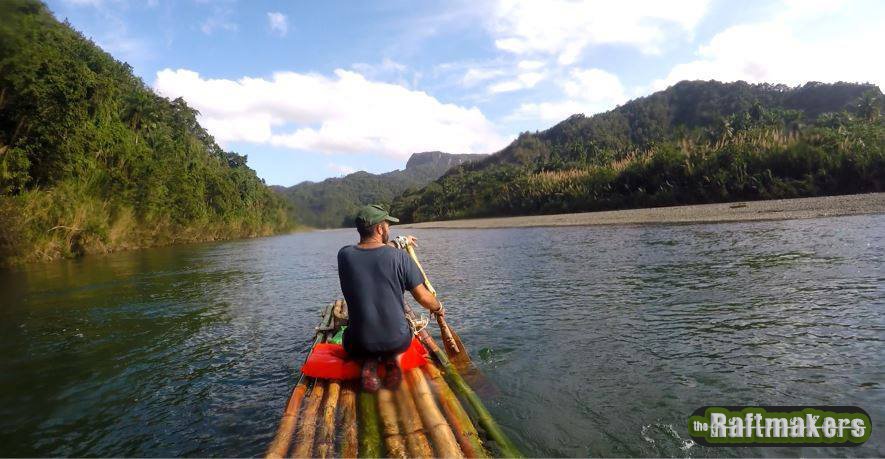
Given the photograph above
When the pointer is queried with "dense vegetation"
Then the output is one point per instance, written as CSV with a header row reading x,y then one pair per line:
x,y
334,202
696,142
91,160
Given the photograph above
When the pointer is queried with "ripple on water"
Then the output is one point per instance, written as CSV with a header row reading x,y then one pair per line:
x,y
594,340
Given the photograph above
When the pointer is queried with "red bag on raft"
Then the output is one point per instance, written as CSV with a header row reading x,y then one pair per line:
x,y
330,361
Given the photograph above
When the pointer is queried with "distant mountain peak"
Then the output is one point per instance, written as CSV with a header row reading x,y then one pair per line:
x,y
438,158
334,201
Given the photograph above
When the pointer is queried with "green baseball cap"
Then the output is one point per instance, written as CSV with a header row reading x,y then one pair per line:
x,y
373,214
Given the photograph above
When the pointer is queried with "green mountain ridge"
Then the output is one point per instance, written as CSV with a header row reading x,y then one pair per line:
x,y
333,202
92,161
695,142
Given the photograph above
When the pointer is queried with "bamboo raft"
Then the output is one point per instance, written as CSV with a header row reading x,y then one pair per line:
x,y
434,412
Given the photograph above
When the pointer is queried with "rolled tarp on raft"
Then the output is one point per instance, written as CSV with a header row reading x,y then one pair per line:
x,y
330,361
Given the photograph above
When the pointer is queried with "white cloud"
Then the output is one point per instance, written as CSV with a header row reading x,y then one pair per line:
x,y
564,28
340,169
478,75
792,49
530,65
278,23
588,91
522,81
344,113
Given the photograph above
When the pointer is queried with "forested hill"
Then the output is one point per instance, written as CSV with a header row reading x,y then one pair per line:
x,y
91,160
695,142
333,202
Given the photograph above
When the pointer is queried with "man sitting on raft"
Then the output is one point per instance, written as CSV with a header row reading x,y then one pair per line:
x,y
374,276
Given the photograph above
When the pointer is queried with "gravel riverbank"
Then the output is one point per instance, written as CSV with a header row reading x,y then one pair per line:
x,y
780,209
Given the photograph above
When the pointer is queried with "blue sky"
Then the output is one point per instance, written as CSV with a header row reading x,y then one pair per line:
x,y
316,90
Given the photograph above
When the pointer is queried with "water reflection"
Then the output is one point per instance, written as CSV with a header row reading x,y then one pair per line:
x,y
599,340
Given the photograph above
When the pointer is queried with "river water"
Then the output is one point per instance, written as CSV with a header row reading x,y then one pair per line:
x,y
598,340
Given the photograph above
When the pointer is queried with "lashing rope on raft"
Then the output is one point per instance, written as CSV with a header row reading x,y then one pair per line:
x,y
417,324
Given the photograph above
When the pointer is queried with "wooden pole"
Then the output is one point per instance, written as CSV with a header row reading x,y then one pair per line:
x,y
350,434
304,440
413,429
280,445
326,445
456,415
444,441
508,449
283,438
393,438
446,332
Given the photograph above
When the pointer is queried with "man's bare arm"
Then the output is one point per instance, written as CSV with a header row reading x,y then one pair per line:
x,y
428,300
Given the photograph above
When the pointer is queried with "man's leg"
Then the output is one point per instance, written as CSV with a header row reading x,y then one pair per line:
x,y
393,374
370,380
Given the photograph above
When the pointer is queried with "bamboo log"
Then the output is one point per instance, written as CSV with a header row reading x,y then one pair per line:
x,y
370,435
280,445
326,444
393,438
350,434
444,441
304,440
418,446
508,449
457,417
283,438
416,441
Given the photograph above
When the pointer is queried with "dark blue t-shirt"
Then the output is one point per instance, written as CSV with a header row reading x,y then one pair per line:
x,y
373,282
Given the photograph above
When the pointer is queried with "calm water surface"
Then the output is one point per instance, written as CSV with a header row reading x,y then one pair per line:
x,y
600,340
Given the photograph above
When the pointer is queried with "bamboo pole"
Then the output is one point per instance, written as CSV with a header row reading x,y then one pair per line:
x,y
444,441
326,444
508,449
393,438
456,415
416,441
350,434
304,440
283,438
280,445
452,345
370,435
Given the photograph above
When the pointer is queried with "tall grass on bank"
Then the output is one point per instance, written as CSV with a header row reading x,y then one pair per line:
x,y
68,221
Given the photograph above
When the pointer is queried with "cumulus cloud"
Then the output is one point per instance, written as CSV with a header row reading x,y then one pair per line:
x,y
522,81
587,91
530,65
564,28
278,23
344,113
791,49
